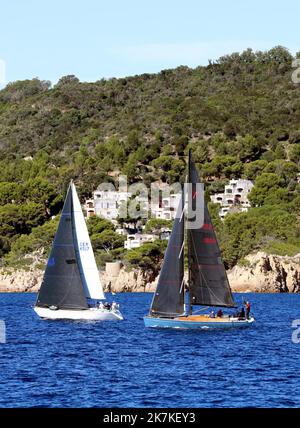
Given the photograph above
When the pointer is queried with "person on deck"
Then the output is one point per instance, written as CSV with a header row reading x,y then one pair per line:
x,y
212,314
107,306
220,313
242,313
248,308
114,306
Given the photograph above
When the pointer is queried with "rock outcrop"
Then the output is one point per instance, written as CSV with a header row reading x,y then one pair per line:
x,y
132,281
15,281
259,273
29,280
265,273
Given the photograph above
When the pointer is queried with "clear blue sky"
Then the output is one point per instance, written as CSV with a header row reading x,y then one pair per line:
x,y
95,38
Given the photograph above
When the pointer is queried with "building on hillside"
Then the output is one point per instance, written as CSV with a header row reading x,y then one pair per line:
x,y
107,204
235,197
166,207
138,239
89,208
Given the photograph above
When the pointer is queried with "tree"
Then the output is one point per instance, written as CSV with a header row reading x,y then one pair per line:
x,y
181,143
200,151
277,197
295,153
40,238
148,257
107,240
41,191
223,166
20,219
155,225
67,80
286,170
249,148
97,225
254,169
132,142
264,185
11,193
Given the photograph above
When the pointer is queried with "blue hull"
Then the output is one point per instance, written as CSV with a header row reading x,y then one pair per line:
x,y
185,324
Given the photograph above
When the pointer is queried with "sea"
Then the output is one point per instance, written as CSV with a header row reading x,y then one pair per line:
x,y
65,364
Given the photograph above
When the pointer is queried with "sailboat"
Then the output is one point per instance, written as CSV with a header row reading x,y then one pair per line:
x,y
173,302
71,279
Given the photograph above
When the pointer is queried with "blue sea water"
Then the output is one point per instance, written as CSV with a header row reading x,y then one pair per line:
x,y
122,364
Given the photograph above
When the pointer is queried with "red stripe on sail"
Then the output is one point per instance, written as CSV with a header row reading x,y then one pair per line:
x,y
207,226
209,241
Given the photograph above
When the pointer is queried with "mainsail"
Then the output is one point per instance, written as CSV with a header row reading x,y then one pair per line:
x,y
168,299
208,283
85,255
62,285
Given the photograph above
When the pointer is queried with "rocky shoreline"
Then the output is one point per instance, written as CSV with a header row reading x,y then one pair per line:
x,y
259,273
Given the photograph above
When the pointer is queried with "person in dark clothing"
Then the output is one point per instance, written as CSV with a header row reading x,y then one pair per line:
x,y
107,306
248,308
242,313
220,313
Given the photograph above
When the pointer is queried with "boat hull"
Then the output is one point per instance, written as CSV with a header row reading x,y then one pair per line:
x,y
94,314
197,322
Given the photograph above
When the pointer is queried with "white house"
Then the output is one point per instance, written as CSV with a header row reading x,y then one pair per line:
x,y
235,195
136,240
107,204
166,207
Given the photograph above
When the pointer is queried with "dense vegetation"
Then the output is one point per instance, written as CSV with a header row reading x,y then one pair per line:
x,y
240,115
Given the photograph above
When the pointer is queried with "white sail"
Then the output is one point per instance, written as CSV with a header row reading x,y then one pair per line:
x,y
90,275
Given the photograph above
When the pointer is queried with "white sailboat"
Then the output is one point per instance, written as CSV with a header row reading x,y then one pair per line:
x,y
71,277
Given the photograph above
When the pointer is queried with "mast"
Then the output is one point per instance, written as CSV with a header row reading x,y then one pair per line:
x,y
190,306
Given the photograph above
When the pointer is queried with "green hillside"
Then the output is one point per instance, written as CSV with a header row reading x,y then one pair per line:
x,y
240,115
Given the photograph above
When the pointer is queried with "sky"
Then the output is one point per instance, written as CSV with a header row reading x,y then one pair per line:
x,y
96,39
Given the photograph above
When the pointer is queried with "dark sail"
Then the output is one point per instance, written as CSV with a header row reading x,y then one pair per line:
x,y
62,285
168,300
208,283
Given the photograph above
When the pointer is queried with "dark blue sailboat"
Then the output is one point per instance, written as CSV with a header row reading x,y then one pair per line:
x,y
173,302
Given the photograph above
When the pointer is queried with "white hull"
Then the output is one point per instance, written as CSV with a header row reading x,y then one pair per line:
x,y
85,314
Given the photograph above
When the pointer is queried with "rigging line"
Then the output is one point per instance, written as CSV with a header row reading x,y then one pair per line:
x,y
201,309
183,210
180,253
182,282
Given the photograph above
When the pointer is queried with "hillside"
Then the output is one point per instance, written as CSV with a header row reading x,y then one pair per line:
x,y
240,115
